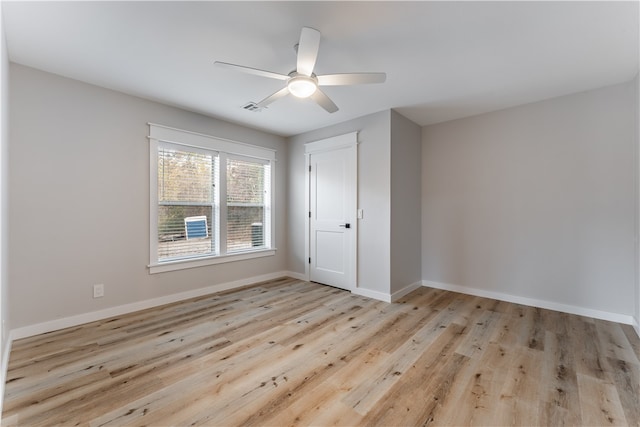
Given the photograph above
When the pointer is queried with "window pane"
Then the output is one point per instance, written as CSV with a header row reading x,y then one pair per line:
x,y
245,227
173,241
185,176
245,204
186,194
245,182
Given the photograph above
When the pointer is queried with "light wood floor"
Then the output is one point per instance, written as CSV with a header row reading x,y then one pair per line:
x,y
288,352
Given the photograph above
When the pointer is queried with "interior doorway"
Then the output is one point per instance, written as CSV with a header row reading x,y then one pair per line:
x,y
331,195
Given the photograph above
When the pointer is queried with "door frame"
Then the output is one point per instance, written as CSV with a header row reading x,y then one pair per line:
x,y
348,140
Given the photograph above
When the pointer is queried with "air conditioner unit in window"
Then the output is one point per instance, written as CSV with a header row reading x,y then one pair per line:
x,y
195,227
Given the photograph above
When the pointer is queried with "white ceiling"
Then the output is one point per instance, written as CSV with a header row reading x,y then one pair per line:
x,y
444,60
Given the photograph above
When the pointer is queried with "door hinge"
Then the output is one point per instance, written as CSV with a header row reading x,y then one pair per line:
x,y
309,260
309,214
309,168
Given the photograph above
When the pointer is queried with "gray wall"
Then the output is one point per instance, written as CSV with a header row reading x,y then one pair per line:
x,y
636,93
373,196
406,243
4,196
536,201
79,198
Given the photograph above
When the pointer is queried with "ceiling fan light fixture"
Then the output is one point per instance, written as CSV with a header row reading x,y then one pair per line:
x,y
302,86
303,82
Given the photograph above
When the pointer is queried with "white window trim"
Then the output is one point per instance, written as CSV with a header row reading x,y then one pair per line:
x,y
159,134
194,139
182,264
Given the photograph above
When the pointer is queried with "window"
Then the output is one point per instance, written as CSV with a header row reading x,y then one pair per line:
x,y
210,200
247,207
187,196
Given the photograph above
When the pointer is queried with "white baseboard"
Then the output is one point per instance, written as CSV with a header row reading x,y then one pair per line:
x,y
406,290
66,322
380,296
294,275
532,302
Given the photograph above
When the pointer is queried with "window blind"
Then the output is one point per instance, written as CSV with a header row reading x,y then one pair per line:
x,y
186,202
248,189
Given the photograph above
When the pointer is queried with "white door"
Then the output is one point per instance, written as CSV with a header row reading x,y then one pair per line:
x,y
332,213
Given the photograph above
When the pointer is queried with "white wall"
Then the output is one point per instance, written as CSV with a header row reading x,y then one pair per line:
x,y
79,199
535,201
4,197
405,203
636,93
373,197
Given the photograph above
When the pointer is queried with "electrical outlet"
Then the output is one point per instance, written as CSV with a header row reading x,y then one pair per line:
x,y
98,290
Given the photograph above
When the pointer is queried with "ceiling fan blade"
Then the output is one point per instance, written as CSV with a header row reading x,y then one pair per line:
x,y
324,101
308,50
351,79
269,99
253,71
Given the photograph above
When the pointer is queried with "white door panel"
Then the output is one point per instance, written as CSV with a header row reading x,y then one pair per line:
x,y
329,176
327,258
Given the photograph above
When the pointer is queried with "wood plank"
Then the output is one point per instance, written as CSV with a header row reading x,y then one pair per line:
x,y
479,388
519,398
632,339
560,393
590,359
365,394
420,390
599,403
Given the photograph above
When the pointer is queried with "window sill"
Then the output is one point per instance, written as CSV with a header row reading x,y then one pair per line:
x,y
182,264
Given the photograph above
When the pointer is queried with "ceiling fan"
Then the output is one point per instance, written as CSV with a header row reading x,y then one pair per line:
x,y
302,82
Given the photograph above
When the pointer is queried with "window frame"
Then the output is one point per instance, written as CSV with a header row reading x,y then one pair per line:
x,y
268,203
160,135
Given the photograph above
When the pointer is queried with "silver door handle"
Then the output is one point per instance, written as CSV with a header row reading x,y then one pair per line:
x,y
347,225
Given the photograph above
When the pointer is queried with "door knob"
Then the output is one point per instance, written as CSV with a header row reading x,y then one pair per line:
x,y
347,225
